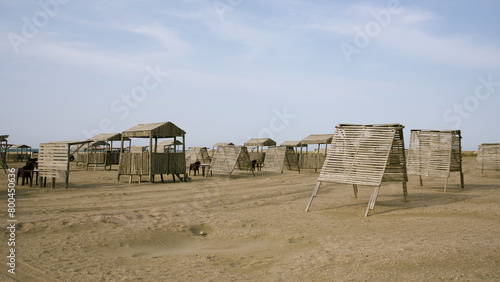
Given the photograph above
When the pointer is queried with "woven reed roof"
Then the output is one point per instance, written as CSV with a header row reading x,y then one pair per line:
x,y
317,139
23,146
223,144
158,130
108,137
260,142
293,144
4,137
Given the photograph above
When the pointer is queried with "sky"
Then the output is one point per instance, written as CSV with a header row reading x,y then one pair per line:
x,y
230,70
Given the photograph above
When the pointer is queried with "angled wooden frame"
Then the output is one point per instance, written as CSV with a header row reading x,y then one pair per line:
x,y
365,155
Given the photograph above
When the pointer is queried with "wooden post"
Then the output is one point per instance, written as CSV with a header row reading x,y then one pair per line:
x,y
315,192
373,199
184,152
355,188
460,154
120,157
150,156
67,167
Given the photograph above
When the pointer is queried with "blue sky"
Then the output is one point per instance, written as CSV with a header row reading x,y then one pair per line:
x,y
229,70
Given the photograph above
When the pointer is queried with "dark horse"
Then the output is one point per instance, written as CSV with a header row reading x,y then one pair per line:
x,y
26,172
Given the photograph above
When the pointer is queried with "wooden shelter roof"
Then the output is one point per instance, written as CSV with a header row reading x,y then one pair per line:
x,y
70,143
317,139
23,146
293,144
260,142
158,130
108,137
4,137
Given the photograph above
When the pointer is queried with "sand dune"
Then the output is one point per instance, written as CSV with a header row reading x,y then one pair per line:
x,y
246,228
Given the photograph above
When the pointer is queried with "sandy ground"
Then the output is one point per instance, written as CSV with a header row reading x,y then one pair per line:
x,y
256,230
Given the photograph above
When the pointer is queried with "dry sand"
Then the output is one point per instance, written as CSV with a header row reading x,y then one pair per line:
x,y
256,230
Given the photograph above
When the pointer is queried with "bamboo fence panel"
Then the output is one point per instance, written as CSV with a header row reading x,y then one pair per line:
x,y
227,158
435,153
279,157
365,155
488,157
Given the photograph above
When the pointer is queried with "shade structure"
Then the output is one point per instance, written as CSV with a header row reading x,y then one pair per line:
x,y
314,161
4,147
197,154
152,162
365,155
227,158
279,157
22,153
101,151
488,158
167,145
54,158
435,153
257,154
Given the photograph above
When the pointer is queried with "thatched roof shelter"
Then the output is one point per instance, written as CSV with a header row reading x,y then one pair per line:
x,y
154,130
435,153
365,155
54,158
260,142
488,157
317,139
154,162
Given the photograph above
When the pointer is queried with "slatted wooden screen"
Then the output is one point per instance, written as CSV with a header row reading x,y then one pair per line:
x,y
365,155
53,160
488,157
435,153
279,157
227,158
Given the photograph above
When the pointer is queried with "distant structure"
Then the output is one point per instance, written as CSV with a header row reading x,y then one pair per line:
x,y
4,147
295,145
488,157
435,153
314,160
227,158
169,146
54,159
197,154
22,153
102,152
365,155
153,162
257,149
279,157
